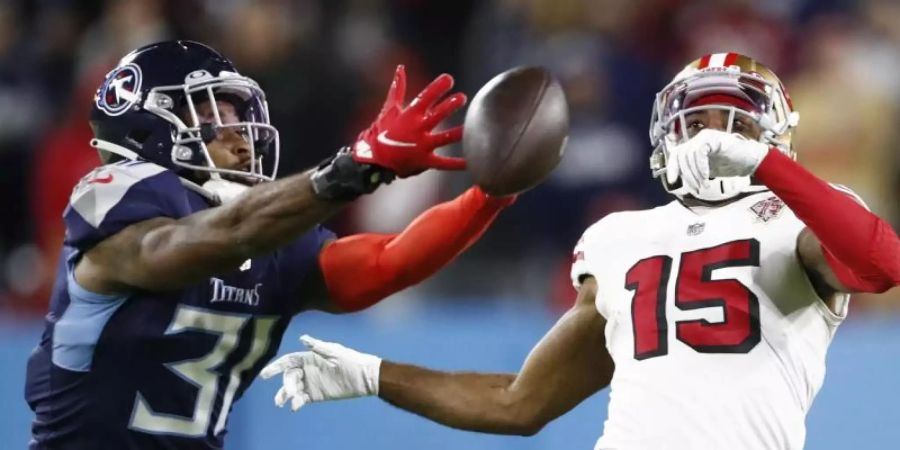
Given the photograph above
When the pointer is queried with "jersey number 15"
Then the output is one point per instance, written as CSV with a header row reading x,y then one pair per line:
x,y
738,332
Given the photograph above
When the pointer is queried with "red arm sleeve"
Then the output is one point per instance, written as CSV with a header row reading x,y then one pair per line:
x,y
362,269
861,248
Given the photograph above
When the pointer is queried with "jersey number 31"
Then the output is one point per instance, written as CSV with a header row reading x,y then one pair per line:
x,y
738,332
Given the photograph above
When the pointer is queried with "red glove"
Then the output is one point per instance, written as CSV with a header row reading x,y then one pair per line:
x,y
401,139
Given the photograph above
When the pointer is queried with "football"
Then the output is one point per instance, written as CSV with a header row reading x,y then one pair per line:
x,y
515,130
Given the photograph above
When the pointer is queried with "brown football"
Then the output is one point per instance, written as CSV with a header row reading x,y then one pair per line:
x,y
515,130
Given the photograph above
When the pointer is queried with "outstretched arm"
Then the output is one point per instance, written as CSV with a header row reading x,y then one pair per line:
x,y
163,253
392,262
567,366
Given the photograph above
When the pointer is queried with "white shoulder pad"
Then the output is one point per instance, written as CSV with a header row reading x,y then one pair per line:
x,y
591,239
103,188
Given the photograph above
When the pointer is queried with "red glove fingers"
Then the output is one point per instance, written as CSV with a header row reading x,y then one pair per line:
x,y
401,139
396,93
446,163
443,110
446,137
435,90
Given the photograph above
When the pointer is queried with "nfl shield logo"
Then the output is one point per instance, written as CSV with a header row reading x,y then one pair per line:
x,y
695,229
767,209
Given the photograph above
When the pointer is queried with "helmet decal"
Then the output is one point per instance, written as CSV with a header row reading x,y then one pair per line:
x,y
120,90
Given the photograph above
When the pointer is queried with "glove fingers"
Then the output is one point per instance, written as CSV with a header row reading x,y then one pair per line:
x,y
298,402
440,86
325,357
281,397
672,168
446,137
700,164
446,163
296,388
316,346
281,364
397,91
328,351
309,341
687,175
443,110
691,161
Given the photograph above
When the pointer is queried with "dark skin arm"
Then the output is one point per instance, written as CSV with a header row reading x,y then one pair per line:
x,y
567,366
823,279
163,254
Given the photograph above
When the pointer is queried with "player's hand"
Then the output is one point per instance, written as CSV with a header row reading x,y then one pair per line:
x,y
401,138
328,371
713,153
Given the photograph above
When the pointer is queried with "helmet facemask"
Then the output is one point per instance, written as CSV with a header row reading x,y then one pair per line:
x,y
178,105
730,89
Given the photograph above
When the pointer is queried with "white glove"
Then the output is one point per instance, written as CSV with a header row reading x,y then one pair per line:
x,y
713,153
329,371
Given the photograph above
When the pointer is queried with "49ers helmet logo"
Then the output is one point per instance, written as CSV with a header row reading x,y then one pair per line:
x,y
121,90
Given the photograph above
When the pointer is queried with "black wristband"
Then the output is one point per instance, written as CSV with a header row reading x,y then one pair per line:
x,y
343,179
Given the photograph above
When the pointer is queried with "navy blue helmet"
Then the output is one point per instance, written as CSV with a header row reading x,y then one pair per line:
x,y
146,108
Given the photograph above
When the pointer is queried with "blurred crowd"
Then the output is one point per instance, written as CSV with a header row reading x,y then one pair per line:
x,y
326,64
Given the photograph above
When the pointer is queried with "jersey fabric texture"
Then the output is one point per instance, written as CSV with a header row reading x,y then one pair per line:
x,y
718,337
154,370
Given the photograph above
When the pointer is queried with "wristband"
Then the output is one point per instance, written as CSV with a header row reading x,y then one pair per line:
x,y
341,178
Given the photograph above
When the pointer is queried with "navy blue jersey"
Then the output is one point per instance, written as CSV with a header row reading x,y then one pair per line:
x,y
154,370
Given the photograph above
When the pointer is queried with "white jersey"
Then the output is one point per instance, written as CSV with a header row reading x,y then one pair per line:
x,y
718,337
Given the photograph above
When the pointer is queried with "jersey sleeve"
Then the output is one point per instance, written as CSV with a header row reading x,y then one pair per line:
x,y
115,196
850,193
587,249
795,225
297,261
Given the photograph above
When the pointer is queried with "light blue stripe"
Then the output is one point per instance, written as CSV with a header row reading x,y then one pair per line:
x,y
76,333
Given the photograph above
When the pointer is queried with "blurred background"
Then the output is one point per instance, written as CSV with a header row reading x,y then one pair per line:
x,y
326,65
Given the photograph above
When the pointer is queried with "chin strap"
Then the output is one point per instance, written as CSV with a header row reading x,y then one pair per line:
x,y
861,248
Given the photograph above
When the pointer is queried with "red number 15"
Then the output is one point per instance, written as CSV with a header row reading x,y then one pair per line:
x,y
738,332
